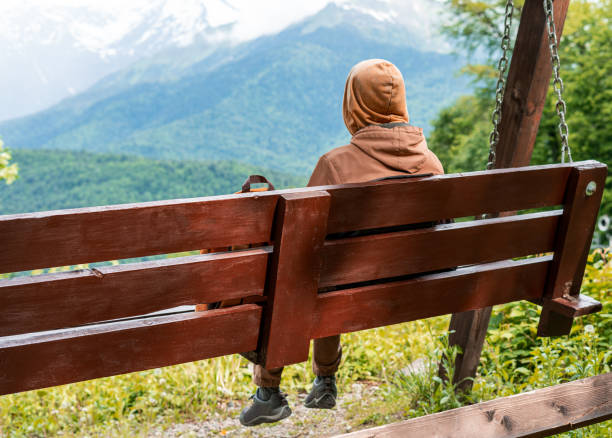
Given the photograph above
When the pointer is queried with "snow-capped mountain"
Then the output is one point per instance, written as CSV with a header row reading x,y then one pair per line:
x,y
51,49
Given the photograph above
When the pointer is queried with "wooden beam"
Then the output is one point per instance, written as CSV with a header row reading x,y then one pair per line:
x,y
527,86
584,192
70,299
366,258
293,278
524,99
425,296
538,413
55,358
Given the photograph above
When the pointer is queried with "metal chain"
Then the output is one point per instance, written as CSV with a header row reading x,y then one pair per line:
x,y
560,106
502,67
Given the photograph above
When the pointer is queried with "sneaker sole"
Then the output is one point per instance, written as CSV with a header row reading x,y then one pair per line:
x,y
284,413
322,402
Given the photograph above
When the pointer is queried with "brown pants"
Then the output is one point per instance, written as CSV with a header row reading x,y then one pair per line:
x,y
325,362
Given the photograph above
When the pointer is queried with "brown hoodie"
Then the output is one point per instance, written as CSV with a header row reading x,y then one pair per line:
x,y
383,142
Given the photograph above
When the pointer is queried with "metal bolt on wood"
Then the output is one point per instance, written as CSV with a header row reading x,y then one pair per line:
x,y
591,188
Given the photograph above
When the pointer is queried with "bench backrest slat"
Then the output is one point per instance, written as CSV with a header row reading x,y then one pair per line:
x,y
87,235
367,258
122,347
446,196
431,295
69,299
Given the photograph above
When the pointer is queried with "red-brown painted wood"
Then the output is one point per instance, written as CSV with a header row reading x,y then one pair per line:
x,y
301,225
528,79
573,306
523,102
575,230
39,361
573,244
366,258
392,203
85,235
68,299
430,295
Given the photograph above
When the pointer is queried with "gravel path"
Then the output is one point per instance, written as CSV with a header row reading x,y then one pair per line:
x,y
302,423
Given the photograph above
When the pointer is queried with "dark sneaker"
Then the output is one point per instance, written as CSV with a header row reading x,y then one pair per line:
x,y
323,394
269,406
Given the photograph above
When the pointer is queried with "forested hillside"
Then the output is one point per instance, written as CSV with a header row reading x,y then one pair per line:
x,y
51,180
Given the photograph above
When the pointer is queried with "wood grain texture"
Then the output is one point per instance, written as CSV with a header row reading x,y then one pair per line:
x,y
528,79
357,259
538,413
576,230
523,102
69,299
86,235
39,361
300,226
573,306
573,244
429,295
467,329
439,197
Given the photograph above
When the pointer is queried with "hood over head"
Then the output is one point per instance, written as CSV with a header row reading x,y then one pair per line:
x,y
374,94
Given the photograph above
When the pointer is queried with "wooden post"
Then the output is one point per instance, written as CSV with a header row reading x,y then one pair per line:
x,y
528,80
293,277
583,197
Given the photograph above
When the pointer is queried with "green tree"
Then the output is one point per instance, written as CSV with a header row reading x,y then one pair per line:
x,y
460,134
8,171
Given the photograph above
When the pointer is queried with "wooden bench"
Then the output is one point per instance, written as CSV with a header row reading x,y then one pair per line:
x,y
64,327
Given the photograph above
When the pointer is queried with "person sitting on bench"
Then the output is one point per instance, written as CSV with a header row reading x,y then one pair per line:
x,y
383,144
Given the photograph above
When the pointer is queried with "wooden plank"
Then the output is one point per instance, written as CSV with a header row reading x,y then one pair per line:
x,y
524,98
300,230
539,413
69,299
85,235
392,203
38,361
357,259
429,295
573,244
576,230
528,80
573,306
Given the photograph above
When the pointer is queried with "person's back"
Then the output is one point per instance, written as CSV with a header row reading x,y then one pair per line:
x,y
383,145
383,142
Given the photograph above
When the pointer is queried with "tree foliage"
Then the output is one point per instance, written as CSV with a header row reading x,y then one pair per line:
x,y
460,134
8,171
53,180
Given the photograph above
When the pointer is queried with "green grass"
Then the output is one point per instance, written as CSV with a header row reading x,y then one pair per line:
x,y
513,361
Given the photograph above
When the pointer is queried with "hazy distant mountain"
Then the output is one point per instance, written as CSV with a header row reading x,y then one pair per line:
x,y
274,101
51,50
48,52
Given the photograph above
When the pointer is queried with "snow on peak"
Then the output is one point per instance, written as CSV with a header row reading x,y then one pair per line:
x,y
372,9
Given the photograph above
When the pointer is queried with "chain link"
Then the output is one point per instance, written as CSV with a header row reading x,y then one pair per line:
x,y
560,106
502,67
